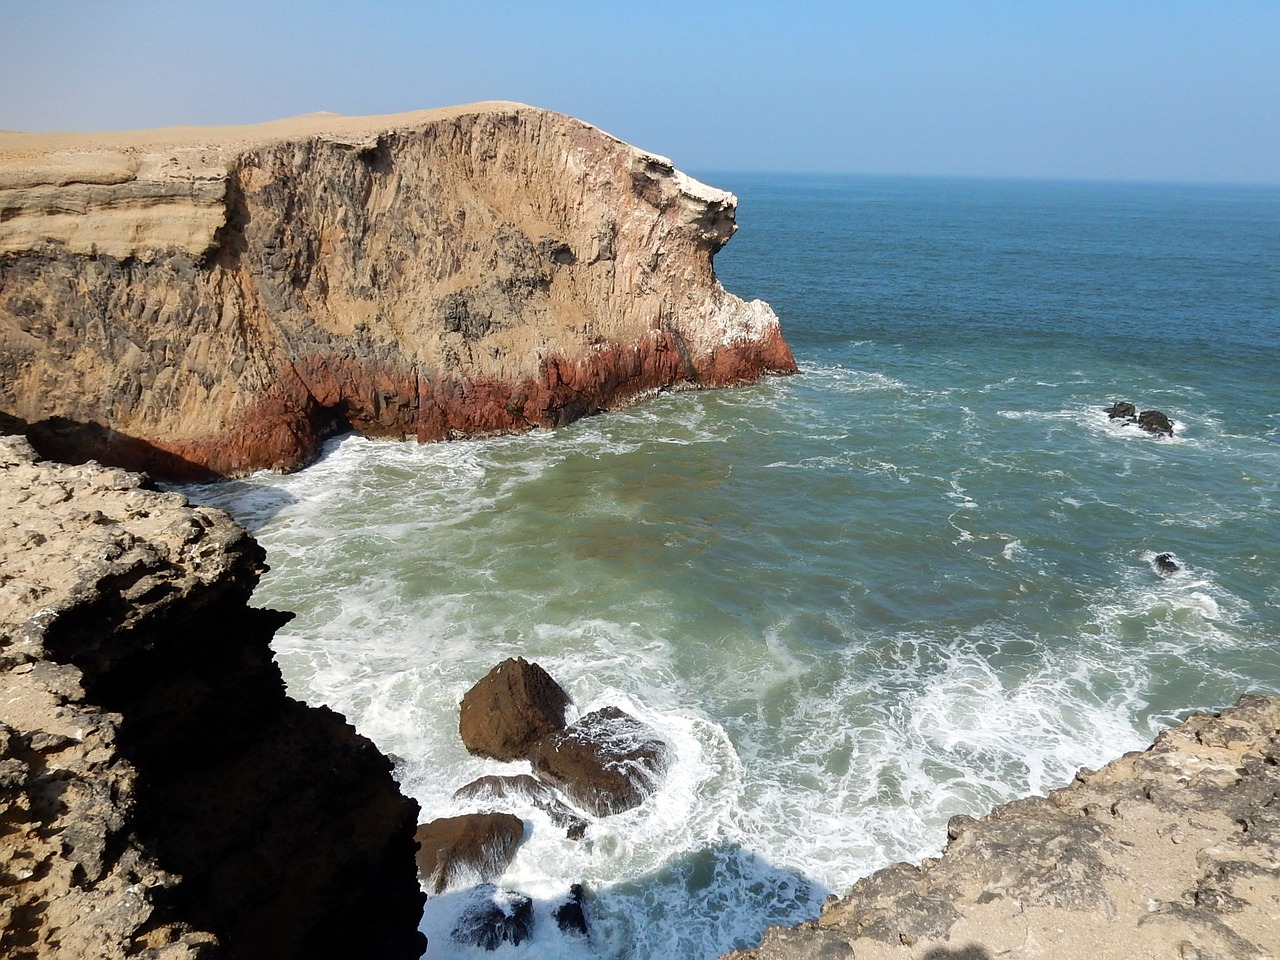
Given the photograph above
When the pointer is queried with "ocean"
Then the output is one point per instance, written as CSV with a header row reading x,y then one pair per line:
x,y
914,581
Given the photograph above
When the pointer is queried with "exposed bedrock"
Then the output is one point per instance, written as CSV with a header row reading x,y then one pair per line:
x,y
209,302
160,795
1173,852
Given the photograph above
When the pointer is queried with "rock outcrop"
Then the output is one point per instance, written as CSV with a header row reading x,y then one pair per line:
x,y
1172,852
607,762
509,709
206,302
160,795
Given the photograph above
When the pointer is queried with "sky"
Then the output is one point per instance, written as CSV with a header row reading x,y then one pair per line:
x,y
1156,90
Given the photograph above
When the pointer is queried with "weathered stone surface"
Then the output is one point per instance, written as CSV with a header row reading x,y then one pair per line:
x,y
1122,410
158,790
607,762
201,302
522,787
1173,852
509,709
462,851
496,917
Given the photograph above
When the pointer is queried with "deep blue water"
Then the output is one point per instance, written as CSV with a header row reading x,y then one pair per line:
x,y
916,580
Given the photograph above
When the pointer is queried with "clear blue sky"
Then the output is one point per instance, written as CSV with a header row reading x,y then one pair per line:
x,y
1125,89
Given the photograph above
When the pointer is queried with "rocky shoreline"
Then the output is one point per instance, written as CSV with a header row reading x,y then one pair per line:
x,y
201,303
1173,852
160,795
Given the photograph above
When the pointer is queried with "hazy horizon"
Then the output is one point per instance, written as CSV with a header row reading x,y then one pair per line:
x,y
1144,91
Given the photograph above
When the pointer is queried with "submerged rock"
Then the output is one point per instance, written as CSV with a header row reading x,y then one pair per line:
x,y
512,707
607,762
524,787
570,916
496,917
461,851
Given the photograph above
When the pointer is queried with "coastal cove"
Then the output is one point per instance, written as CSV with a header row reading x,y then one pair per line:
x,y
916,581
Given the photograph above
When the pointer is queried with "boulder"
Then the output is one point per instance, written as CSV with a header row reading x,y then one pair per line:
x,y
607,762
496,917
527,788
1121,410
1153,421
460,851
1165,564
570,916
515,705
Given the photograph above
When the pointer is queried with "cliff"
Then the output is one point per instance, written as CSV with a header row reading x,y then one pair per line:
x,y
207,302
1169,853
160,795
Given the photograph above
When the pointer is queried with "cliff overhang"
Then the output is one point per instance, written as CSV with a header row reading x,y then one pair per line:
x,y
208,302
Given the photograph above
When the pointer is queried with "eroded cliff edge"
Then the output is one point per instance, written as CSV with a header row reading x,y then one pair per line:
x,y
203,302
160,795
1172,853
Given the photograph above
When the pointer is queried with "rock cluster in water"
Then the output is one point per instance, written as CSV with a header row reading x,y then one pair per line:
x,y
604,763
1152,421
1173,852
208,302
160,795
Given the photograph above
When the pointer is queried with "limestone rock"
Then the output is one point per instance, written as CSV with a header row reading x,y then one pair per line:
x,y
158,790
607,762
461,851
1171,852
207,302
513,706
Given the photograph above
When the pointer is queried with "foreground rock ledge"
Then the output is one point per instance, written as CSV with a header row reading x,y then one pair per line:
x,y
1172,853
207,302
160,796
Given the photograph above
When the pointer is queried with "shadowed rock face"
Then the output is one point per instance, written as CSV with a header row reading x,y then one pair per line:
x,y
210,302
1171,852
158,789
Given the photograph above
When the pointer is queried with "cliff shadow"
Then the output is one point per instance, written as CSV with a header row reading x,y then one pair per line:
x,y
78,441
706,902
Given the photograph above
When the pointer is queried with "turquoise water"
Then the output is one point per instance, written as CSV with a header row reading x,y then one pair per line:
x,y
915,581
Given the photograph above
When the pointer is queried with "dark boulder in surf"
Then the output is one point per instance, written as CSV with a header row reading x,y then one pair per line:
x,y
1152,421
606,763
516,704
1155,422
461,851
496,917
524,787
570,916
1165,564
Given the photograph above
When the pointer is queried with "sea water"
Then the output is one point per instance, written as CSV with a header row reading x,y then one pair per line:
x,y
915,581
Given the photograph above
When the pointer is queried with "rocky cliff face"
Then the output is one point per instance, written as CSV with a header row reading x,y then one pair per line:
x,y
1170,853
160,795
210,302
